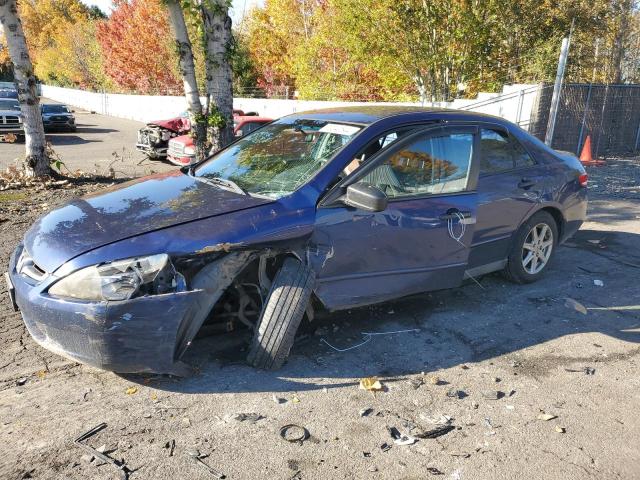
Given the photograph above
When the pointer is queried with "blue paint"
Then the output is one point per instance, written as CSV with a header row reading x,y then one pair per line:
x,y
359,257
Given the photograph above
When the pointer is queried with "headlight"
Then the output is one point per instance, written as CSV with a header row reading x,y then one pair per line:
x,y
189,150
121,280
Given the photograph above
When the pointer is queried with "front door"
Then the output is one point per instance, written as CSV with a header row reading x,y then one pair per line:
x,y
421,241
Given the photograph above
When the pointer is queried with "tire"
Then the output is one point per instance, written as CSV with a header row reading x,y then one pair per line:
x,y
283,311
535,268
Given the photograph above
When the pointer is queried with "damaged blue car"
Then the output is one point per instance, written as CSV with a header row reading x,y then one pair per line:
x,y
328,209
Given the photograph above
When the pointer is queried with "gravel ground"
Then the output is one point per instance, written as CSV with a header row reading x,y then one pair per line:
x,y
525,342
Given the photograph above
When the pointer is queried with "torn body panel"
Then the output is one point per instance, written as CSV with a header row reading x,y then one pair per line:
x,y
144,334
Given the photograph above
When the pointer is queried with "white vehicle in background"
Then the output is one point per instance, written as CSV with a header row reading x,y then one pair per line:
x,y
11,118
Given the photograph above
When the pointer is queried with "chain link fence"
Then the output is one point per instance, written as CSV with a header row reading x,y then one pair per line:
x,y
609,114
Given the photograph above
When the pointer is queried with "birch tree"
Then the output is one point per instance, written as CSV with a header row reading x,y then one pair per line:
x,y
36,160
188,72
213,124
218,45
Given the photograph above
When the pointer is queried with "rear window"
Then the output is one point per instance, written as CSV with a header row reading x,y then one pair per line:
x,y
501,153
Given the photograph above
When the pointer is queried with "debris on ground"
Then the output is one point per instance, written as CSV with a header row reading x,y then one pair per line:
x,y
197,457
576,305
385,447
278,400
598,283
435,432
492,394
171,446
365,412
371,384
21,381
434,471
459,394
416,382
295,398
399,438
560,429
585,370
123,470
546,417
131,390
294,433
247,417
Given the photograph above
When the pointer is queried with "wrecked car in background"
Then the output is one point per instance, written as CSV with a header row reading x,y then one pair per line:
x,y
182,149
328,209
153,138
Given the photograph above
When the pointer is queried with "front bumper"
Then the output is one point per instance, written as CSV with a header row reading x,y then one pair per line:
x,y
145,334
154,152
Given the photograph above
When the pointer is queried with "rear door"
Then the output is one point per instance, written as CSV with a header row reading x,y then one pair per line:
x,y
421,241
508,188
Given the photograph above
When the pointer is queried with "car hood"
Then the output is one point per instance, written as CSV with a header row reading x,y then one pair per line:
x,y
179,124
10,112
125,211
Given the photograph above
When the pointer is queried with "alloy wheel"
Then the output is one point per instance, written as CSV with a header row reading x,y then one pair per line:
x,y
537,248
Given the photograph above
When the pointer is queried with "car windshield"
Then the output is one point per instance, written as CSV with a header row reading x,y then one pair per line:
x,y
279,158
9,105
55,109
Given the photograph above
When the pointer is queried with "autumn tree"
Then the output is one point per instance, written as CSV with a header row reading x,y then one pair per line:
x,y
138,49
36,160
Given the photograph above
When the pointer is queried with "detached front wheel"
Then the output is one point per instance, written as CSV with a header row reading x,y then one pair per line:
x,y
532,249
281,316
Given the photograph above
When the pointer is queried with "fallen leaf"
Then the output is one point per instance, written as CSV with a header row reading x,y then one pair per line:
x,y
371,384
131,390
295,399
41,373
577,306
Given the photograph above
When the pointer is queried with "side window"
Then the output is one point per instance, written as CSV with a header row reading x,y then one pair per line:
x,y
496,154
435,164
374,147
522,158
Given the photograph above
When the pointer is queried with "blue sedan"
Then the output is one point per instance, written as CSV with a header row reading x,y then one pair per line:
x,y
329,209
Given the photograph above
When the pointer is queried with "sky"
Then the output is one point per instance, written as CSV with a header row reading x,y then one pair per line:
x,y
239,6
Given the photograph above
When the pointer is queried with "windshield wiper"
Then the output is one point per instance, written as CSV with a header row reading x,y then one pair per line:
x,y
223,182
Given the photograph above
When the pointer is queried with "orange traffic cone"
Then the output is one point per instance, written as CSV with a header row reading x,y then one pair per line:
x,y
585,157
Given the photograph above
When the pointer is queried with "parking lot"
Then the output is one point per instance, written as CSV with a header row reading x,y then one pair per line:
x,y
100,143
537,381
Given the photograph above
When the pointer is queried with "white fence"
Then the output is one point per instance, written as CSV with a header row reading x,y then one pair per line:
x,y
514,103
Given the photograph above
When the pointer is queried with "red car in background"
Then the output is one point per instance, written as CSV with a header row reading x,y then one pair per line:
x,y
182,149
153,138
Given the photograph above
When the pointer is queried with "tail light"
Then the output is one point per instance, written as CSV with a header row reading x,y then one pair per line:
x,y
583,180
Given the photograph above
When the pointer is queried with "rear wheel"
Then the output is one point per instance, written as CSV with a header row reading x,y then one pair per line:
x,y
283,311
532,249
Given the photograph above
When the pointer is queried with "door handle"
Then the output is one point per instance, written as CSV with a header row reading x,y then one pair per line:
x,y
454,214
526,183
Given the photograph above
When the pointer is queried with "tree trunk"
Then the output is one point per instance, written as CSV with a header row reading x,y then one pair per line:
x,y
188,72
622,10
36,160
217,30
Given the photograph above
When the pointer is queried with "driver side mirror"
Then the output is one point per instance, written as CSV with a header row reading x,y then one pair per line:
x,y
365,196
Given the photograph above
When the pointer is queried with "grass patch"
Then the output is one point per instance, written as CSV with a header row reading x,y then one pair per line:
x,y
12,196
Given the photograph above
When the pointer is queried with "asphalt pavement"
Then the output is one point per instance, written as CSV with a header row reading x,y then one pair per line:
x,y
99,143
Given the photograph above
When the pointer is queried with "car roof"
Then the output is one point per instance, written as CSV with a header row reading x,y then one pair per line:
x,y
251,118
368,114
